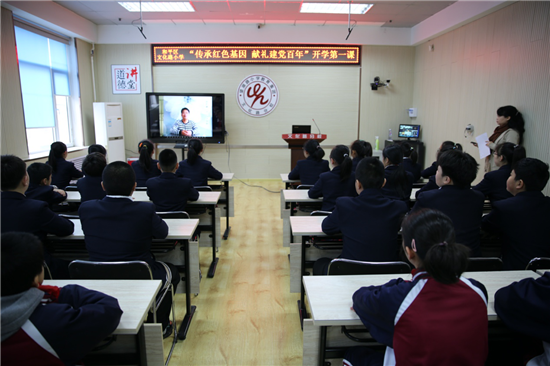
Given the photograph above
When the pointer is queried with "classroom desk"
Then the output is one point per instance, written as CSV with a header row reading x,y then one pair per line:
x,y
227,177
209,199
292,197
135,306
330,301
288,182
178,229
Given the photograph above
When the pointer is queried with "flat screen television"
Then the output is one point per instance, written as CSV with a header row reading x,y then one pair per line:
x,y
409,131
204,118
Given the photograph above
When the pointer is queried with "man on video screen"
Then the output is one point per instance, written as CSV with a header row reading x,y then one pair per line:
x,y
184,126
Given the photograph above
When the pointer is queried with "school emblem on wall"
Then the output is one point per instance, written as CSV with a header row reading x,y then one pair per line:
x,y
257,95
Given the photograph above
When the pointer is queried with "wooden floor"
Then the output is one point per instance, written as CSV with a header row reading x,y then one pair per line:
x,y
245,314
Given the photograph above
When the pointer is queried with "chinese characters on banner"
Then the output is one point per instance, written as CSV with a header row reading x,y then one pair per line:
x,y
303,136
126,79
256,54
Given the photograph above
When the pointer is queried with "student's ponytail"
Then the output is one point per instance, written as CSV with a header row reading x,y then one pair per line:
x,y
409,152
314,150
431,235
448,145
362,148
340,154
394,154
194,148
57,149
511,153
146,149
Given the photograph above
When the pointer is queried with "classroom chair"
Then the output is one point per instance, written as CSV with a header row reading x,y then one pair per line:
x,y
538,263
341,266
203,188
71,189
128,270
320,213
479,264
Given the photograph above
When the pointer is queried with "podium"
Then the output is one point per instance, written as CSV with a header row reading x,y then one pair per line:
x,y
296,143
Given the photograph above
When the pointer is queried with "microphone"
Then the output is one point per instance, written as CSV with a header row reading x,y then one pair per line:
x,y
316,126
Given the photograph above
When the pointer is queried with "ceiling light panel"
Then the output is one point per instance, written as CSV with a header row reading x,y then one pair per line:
x,y
168,7
330,8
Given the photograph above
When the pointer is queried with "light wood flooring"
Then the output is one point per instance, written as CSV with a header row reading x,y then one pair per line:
x,y
245,314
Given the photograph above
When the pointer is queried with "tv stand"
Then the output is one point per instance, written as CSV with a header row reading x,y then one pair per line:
x,y
182,146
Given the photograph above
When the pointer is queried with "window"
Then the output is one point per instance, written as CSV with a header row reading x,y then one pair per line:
x,y
47,87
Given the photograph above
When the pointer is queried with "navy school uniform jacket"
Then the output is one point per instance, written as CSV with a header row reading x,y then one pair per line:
x,y
429,171
171,193
198,172
71,320
90,188
521,222
524,306
413,168
330,187
308,170
369,224
493,184
355,161
142,175
119,229
20,213
464,206
424,322
44,193
64,173
428,186
389,188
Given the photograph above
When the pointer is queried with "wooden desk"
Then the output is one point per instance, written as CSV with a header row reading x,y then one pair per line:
x,y
330,300
135,306
227,177
292,197
178,229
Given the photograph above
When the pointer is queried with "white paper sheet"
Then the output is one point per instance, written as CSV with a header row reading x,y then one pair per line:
x,y
483,149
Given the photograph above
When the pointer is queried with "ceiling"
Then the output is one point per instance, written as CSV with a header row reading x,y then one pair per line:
x,y
395,14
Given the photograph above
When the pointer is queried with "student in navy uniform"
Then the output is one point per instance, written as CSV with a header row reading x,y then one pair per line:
x,y
97,148
521,221
146,167
195,167
20,213
47,325
445,146
524,307
90,186
336,183
398,181
63,171
437,318
40,188
493,185
456,171
117,228
167,191
410,158
360,149
369,222
309,169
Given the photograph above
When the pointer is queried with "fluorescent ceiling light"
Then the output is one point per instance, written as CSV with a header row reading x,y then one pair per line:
x,y
329,8
167,7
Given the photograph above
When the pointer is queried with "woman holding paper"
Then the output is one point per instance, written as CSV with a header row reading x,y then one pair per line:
x,y
510,129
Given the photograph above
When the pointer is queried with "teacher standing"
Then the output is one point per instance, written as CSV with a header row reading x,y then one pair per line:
x,y
510,129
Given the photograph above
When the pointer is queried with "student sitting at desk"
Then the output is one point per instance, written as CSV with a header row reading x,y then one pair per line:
x,y
456,170
521,221
336,183
146,167
47,325
399,182
20,213
167,191
360,149
369,222
430,172
493,185
117,228
307,171
524,307
40,188
410,158
195,167
90,186
97,148
437,318
63,171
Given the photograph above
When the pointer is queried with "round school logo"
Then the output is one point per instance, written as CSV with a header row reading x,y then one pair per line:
x,y
257,95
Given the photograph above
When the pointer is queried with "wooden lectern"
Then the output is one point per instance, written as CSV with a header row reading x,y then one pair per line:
x,y
296,143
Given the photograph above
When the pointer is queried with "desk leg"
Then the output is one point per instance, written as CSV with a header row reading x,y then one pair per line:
x,y
212,269
151,350
293,205
227,204
322,346
190,310
301,303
